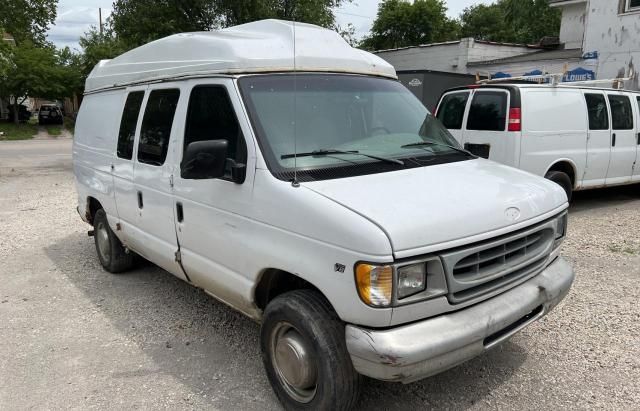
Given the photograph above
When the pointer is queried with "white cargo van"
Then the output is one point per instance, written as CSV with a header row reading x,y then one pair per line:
x,y
579,137
316,195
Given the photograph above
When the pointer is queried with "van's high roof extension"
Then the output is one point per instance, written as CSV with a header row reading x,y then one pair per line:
x,y
258,47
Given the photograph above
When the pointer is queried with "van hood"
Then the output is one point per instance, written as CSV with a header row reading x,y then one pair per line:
x,y
427,206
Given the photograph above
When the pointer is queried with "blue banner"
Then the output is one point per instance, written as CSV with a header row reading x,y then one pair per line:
x,y
579,74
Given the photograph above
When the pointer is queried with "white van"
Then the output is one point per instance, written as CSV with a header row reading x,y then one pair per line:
x,y
579,137
318,196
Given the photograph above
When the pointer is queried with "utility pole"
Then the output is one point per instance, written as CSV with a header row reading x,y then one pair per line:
x,y
100,18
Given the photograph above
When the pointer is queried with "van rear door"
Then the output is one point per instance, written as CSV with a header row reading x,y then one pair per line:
x,y
486,129
451,112
624,141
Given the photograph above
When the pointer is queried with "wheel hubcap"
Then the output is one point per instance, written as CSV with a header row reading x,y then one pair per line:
x,y
294,362
104,246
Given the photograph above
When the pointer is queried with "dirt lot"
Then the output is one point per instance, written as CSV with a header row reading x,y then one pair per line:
x,y
74,336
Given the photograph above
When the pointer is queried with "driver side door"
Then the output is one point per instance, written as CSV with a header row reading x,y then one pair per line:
x,y
211,227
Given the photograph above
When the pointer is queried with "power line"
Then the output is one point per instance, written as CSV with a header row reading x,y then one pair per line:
x,y
355,15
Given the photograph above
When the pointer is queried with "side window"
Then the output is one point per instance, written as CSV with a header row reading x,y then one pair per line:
x,y
598,112
451,110
488,111
211,117
156,126
128,124
621,114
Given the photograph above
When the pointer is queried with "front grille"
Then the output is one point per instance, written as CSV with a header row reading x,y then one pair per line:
x,y
482,268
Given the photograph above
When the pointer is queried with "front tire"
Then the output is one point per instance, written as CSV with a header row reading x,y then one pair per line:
x,y
563,180
305,354
112,254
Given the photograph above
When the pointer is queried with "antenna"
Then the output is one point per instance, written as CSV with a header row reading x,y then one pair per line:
x,y
295,182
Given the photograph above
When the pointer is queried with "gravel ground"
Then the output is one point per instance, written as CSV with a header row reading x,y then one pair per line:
x,y
76,337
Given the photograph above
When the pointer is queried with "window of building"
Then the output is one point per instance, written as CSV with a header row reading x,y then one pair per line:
x,y
598,113
156,126
488,111
211,117
621,114
633,5
128,124
451,110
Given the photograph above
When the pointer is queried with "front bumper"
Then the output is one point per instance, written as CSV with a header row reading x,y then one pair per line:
x,y
419,350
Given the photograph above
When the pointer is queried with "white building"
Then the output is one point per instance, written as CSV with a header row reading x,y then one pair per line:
x,y
599,39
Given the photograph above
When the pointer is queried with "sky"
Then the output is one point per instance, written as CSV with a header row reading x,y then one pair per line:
x,y
75,17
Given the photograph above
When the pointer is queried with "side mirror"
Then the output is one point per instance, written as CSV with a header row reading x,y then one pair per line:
x,y
204,160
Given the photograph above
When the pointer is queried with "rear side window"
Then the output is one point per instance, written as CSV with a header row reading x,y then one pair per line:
x,y
128,124
598,112
621,114
451,110
211,117
156,126
488,111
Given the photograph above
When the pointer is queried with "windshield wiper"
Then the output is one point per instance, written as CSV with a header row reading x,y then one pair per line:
x,y
328,152
433,143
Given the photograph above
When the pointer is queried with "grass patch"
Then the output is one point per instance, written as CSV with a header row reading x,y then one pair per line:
x,y
70,124
54,130
22,131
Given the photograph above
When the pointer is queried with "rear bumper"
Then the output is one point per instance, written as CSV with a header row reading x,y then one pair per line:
x,y
419,350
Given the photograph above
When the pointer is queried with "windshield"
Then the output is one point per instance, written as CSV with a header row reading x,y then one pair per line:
x,y
330,121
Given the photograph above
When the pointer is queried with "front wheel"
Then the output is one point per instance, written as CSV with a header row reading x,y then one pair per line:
x,y
112,254
563,180
305,354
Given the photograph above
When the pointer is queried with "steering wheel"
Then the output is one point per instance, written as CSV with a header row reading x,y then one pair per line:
x,y
372,131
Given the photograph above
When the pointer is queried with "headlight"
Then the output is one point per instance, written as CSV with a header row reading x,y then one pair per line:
x,y
412,279
375,284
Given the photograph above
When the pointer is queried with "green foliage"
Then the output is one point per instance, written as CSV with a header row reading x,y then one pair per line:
x,y
136,22
318,12
517,21
96,47
27,20
400,23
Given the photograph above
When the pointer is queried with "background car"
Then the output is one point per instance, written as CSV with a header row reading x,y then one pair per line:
x,y
50,114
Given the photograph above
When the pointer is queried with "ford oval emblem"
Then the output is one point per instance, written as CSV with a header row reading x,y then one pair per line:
x,y
512,213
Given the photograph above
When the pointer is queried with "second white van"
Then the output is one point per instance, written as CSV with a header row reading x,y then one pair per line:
x,y
579,137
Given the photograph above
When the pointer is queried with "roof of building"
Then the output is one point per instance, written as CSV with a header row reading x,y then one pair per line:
x,y
564,2
453,42
258,47
534,56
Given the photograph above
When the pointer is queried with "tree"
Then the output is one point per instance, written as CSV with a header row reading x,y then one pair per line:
x,y
486,22
33,71
98,46
517,21
136,22
27,20
400,23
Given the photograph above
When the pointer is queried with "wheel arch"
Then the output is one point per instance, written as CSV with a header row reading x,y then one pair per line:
x,y
566,166
273,282
93,205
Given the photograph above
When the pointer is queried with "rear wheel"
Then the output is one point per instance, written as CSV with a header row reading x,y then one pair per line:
x,y
305,354
112,254
563,180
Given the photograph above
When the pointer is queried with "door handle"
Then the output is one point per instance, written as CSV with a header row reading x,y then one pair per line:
x,y
613,140
179,212
140,203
